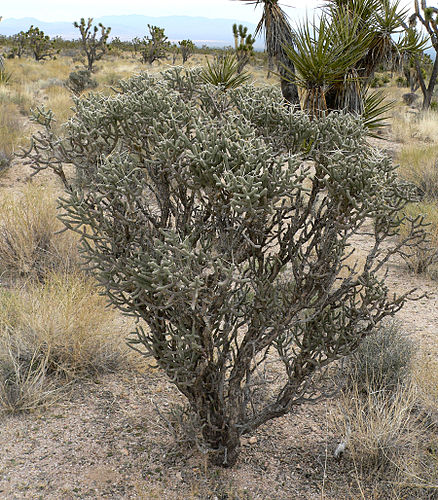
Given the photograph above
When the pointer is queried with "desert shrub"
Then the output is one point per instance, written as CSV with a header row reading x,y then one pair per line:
x,y
5,161
201,216
377,82
421,256
79,81
434,106
30,244
381,362
401,82
390,436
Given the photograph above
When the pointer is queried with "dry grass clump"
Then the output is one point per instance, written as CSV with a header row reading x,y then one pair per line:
x,y
419,165
422,258
59,99
30,244
69,316
381,426
385,414
11,133
425,378
417,126
57,331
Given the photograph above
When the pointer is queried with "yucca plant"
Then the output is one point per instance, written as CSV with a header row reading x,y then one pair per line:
x,y
323,56
381,23
4,76
375,111
278,34
224,72
335,57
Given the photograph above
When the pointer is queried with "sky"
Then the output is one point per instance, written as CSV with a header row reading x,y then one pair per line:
x,y
51,10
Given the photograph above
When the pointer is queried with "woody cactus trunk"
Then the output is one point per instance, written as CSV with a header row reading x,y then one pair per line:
x,y
199,215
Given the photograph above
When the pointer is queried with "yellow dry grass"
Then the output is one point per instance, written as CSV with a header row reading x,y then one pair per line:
x,y
408,126
30,242
423,258
419,165
61,329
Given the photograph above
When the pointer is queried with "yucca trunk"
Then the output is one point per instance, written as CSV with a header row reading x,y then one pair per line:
x,y
315,104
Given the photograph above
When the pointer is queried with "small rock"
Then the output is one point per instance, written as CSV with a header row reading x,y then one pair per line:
x,y
252,440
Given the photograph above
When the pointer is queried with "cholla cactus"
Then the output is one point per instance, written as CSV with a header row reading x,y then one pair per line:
x,y
201,217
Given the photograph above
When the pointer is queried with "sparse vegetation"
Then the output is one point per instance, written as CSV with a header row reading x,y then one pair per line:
x,y
58,339
59,329
423,256
384,414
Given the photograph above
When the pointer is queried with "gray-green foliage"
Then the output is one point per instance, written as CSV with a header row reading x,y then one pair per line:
x,y
200,216
39,44
187,49
382,360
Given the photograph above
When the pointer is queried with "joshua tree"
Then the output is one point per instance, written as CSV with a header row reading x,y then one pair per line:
x,y
40,44
199,214
244,46
187,49
94,47
278,35
428,17
19,43
155,47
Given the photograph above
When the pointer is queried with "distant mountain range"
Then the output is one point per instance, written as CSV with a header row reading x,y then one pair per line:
x,y
202,30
